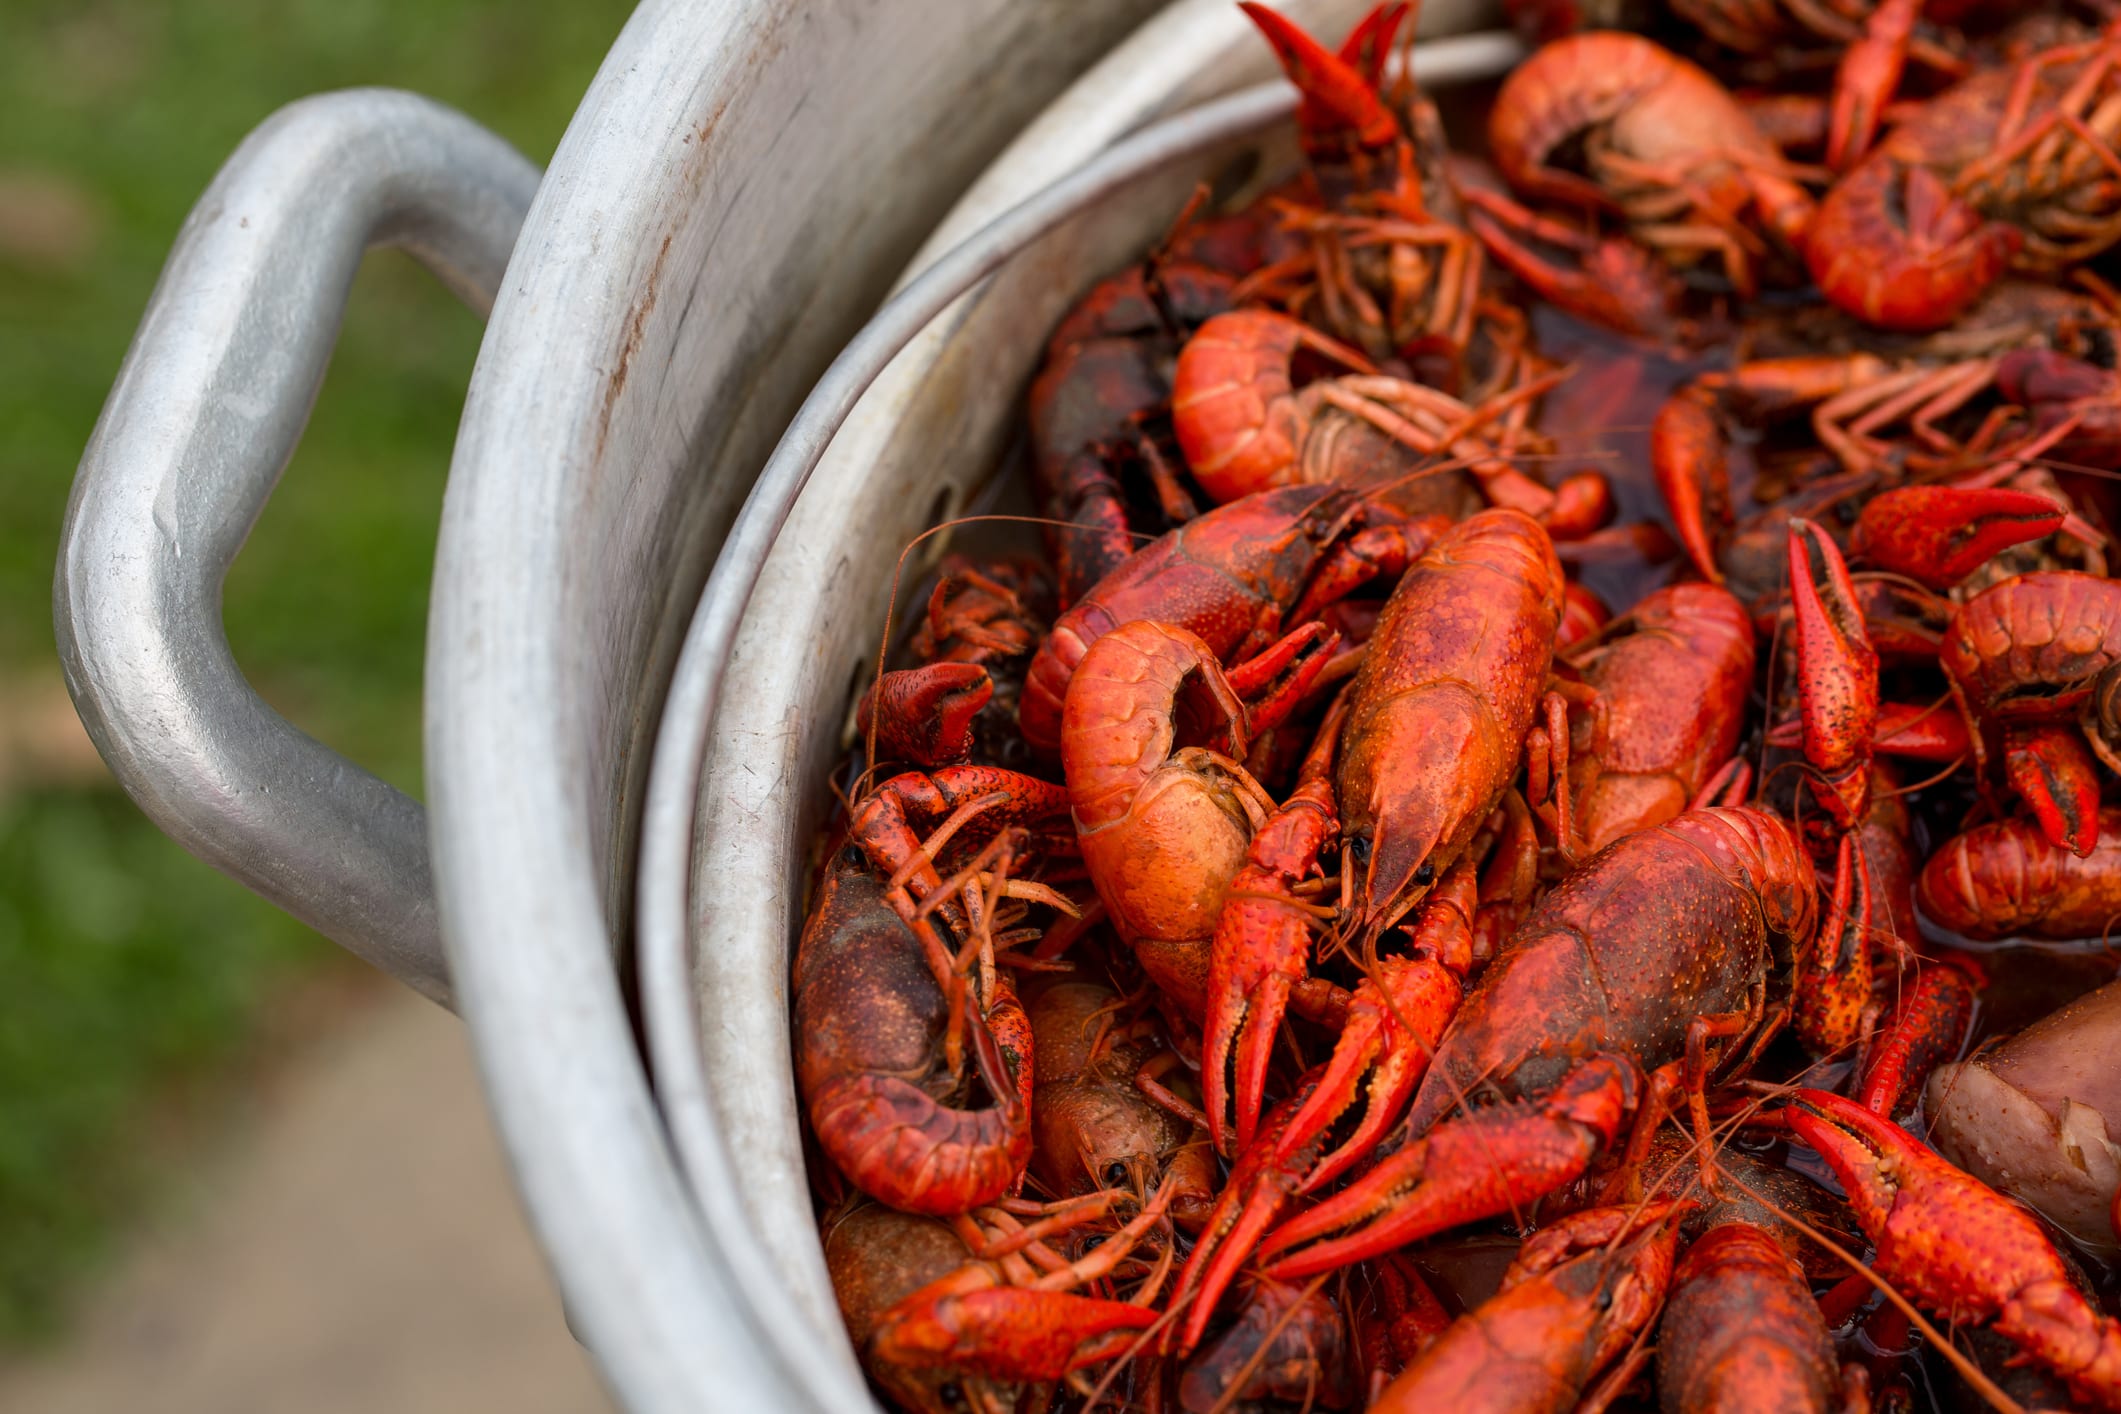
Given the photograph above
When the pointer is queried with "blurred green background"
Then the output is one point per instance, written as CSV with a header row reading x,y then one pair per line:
x,y
136,986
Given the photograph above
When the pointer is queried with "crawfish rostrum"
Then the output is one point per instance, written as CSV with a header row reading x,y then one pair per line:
x,y
1570,708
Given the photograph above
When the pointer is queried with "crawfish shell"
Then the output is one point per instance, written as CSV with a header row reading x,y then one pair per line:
x,y
864,997
1656,929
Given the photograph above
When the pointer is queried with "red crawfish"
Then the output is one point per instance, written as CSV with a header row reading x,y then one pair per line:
x,y
2012,165
1438,712
1232,577
2031,650
1937,534
877,1256
1871,44
1670,702
1597,985
1389,267
1656,139
997,1322
1956,1247
1428,740
1245,426
1402,1319
1605,280
971,650
1099,405
1287,1344
1092,1127
1742,1332
887,1108
1574,1299
1151,742
2007,879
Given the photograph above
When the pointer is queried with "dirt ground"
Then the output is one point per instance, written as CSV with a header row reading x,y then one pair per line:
x,y
358,1247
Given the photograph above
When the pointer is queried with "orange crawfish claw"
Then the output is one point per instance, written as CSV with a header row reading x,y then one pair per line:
x,y
1492,1161
1957,1247
1573,1300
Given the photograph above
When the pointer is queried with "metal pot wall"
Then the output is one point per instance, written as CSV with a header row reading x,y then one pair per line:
x,y
732,807
741,183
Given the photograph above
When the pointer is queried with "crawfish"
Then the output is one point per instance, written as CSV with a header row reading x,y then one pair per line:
x,y
1850,400
2007,879
1390,267
972,649
995,1323
1099,404
1091,1125
1593,969
1232,577
2015,165
1245,427
1661,142
1438,712
1292,1341
1871,43
2027,655
1957,1247
1404,1318
870,1020
1151,738
1670,702
1569,1305
1742,1331
877,1256
1594,986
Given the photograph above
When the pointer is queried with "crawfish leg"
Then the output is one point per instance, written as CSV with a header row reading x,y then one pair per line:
x,y
1700,1032
1547,752
1171,495
1263,938
1274,682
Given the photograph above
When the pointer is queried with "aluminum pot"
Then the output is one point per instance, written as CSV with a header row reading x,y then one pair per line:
x,y
742,182
789,625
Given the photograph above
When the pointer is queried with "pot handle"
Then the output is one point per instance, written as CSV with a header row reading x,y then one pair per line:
x,y
207,408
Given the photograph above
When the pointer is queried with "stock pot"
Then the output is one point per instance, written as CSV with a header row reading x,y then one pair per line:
x,y
789,626
739,187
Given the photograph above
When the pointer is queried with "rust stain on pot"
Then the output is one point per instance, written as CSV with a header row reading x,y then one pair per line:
x,y
632,342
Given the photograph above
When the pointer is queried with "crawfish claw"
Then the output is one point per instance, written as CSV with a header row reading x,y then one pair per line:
x,y
1407,992
1959,1247
924,715
1837,671
1493,1161
1938,535
1337,96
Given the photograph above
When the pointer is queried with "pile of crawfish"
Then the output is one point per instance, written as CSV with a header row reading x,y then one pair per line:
x,y
1561,683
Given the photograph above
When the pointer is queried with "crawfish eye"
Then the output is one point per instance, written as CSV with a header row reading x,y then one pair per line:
x,y
952,1394
1359,851
1425,875
851,856
1115,1174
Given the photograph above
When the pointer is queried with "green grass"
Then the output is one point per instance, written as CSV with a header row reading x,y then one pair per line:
x,y
125,965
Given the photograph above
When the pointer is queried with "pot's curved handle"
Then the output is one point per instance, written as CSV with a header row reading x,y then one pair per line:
x,y
207,409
